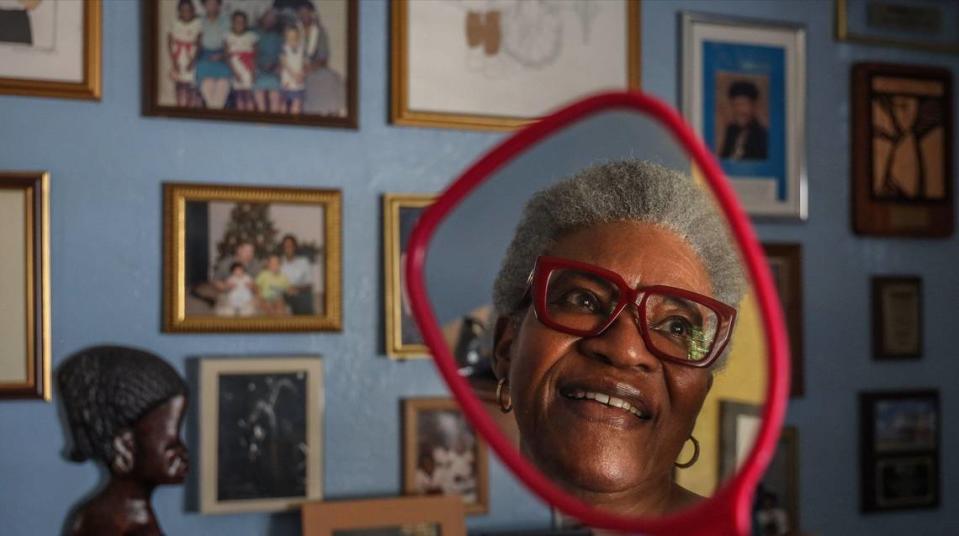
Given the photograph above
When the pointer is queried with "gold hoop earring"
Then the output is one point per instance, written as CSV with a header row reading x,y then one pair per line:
x,y
505,408
695,455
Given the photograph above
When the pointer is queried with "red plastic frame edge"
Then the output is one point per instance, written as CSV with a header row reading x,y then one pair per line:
x,y
728,510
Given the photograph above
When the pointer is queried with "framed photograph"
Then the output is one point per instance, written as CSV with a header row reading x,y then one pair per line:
x,y
897,317
902,150
25,285
498,66
397,516
278,62
899,449
50,48
400,213
744,92
917,24
785,263
442,455
241,258
261,425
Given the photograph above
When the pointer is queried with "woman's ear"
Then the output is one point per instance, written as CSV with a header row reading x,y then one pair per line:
x,y
503,335
124,448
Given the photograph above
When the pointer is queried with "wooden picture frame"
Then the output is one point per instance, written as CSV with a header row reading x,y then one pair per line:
x,y
898,23
351,517
402,337
785,262
162,101
897,330
738,424
282,395
195,293
486,37
415,426
90,78
900,434
780,486
913,194
25,285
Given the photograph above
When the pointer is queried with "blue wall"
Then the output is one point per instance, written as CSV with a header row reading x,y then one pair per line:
x,y
107,163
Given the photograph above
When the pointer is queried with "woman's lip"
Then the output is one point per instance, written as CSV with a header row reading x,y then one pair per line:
x,y
613,394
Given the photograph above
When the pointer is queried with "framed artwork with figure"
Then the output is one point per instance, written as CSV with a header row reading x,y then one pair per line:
x,y
50,48
494,65
743,91
902,157
277,61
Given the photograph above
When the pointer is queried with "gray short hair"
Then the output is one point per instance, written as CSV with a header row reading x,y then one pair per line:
x,y
625,190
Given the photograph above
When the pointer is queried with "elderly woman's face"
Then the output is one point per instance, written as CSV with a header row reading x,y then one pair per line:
x,y
588,446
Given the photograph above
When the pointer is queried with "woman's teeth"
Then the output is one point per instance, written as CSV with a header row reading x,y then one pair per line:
x,y
611,401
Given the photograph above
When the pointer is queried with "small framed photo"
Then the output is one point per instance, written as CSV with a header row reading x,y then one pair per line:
x,y
902,150
899,449
261,425
897,317
497,66
743,91
400,213
25,285
927,25
277,62
785,263
442,455
50,48
396,516
241,258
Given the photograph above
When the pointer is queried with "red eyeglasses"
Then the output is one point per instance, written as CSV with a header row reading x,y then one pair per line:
x,y
584,300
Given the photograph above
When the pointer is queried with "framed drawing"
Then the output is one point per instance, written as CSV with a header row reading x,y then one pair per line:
x,y
50,48
25,285
241,258
785,263
899,450
442,454
897,317
489,65
397,516
278,62
261,425
400,212
902,150
743,91
923,25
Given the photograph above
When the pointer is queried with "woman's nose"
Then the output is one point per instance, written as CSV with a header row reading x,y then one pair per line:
x,y
621,344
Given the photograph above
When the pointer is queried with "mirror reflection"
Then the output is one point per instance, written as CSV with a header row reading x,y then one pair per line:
x,y
594,299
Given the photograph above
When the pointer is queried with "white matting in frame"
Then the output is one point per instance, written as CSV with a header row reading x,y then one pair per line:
x,y
743,91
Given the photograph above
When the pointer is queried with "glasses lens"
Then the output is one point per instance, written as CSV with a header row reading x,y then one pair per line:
x,y
579,300
679,327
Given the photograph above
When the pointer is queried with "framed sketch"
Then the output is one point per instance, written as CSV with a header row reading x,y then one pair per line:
x,y
50,48
499,65
785,263
396,516
899,450
924,25
400,213
241,258
25,285
442,455
744,92
902,150
897,317
261,424
279,62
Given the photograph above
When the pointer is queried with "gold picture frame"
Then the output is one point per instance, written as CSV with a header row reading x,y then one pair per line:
x,y
90,86
25,228
283,392
413,426
329,518
393,248
843,33
402,114
178,298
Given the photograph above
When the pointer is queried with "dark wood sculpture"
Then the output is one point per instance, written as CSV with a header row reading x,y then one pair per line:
x,y
124,409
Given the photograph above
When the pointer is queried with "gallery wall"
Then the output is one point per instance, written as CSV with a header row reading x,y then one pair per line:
x,y
107,163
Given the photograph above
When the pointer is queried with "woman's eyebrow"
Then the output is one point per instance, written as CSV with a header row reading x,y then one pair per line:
x,y
684,305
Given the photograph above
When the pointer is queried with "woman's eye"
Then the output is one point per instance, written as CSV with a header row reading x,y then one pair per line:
x,y
581,299
676,326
